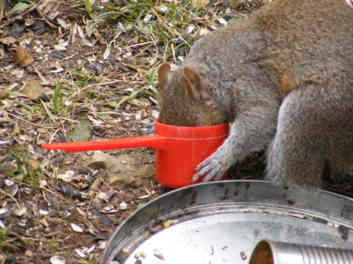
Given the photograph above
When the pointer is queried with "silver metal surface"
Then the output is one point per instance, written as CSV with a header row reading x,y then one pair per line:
x,y
221,222
274,252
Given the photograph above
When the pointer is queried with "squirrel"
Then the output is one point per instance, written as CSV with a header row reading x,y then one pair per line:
x,y
283,79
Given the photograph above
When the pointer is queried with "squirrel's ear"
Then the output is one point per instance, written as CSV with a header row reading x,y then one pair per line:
x,y
163,72
193,84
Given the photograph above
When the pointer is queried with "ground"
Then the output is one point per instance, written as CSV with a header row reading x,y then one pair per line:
x,y
86,70
75,71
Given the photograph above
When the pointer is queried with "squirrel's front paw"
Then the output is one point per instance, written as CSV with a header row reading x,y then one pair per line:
x,y
213,167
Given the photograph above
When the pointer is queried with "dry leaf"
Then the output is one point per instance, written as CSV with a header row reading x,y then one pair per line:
x,y
122,169
62,45
49,8
32,89
99,37
83,37
23,57
17,72
2,9
199,3
4,92
8,41
57,260
33,164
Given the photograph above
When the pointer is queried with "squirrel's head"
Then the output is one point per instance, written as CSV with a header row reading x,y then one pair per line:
x,y
186,98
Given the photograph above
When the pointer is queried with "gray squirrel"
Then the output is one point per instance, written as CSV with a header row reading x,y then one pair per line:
x,y
283,78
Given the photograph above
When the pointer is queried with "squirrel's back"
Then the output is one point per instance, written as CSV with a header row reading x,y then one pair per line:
x,y
295,41
284,78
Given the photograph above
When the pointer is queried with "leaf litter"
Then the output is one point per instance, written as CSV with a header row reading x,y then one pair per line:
x,y
73,71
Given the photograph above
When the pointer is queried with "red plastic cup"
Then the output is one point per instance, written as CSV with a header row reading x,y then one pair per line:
x,y
178,149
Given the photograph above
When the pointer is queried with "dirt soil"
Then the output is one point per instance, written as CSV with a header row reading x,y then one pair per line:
x,y
67,76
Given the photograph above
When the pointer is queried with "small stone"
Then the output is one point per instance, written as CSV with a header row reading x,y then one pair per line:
x,y
104,196
123,206
9,183
20,211
102,244
4,212
162,9
76,228
121,27
190,29
12,190
147,18
22,223
108,208
43,183
43,212
62,23
62,45
67,176
222,21
80,253
57,260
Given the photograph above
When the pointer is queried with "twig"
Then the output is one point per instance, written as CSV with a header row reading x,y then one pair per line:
x,y
45,81
29,122
11,197
47,110
141,44
11,20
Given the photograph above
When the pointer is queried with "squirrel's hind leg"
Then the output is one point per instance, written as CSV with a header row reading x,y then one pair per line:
x,y
297,154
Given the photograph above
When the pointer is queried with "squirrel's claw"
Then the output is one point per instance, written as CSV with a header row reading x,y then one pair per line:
x,y
203,170
209,169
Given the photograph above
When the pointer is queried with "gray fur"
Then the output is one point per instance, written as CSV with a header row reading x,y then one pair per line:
x,y
283,78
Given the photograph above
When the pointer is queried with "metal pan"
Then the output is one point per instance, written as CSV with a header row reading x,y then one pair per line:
x,y
221,222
